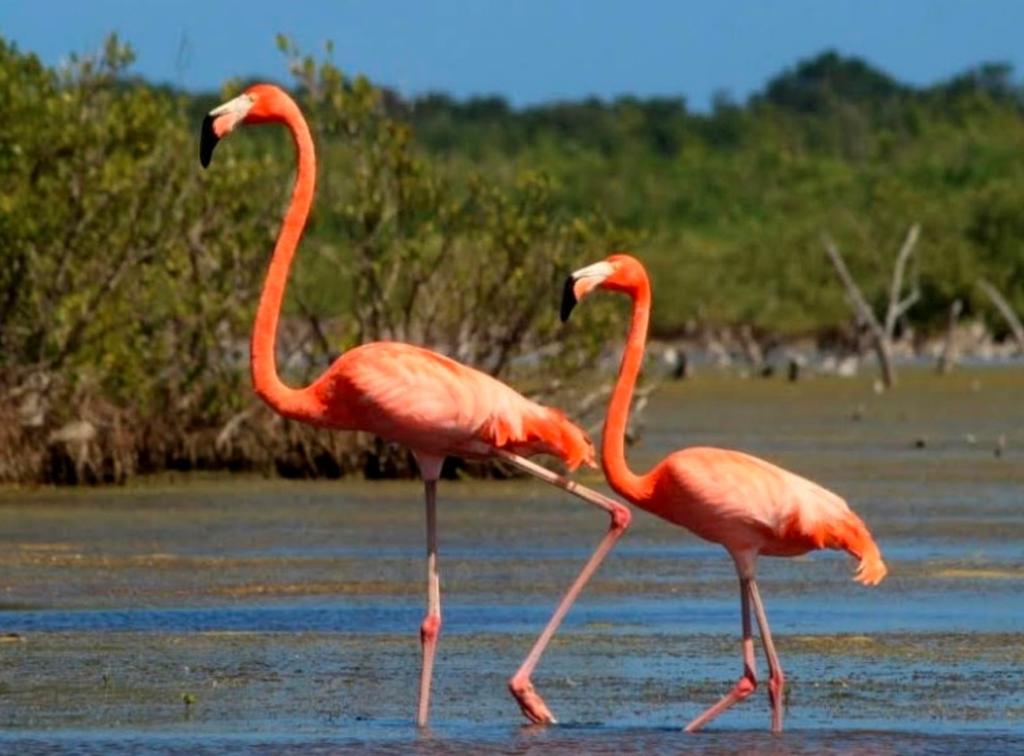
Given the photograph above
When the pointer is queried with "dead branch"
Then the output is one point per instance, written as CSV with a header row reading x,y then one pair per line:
x,y
1006,310
231,427
898,305
589,401
751,349
641,397
863,311
948,357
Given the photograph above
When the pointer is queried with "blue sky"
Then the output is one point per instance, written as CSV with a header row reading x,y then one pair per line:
x,y
532,50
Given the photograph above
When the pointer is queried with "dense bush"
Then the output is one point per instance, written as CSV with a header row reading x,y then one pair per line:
x,y
130,278
122,271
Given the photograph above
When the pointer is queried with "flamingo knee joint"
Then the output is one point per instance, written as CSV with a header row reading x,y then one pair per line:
x,y
431,627
621,518
746,686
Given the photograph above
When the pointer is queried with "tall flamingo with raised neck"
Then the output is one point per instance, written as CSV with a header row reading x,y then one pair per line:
x,y
429,403
748,505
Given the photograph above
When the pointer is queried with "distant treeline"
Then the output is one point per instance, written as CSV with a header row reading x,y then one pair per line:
x,y
731,204
813,94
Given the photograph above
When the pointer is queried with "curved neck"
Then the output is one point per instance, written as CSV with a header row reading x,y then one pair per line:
x,y
613,453
263,364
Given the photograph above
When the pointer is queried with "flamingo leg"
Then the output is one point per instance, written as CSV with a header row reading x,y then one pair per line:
x,y
531,703
432,622
776,680
747,684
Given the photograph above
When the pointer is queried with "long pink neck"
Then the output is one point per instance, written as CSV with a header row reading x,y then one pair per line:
x,y
266,381
613,452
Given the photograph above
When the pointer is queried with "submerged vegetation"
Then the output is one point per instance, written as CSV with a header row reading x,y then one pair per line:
x,y
129,276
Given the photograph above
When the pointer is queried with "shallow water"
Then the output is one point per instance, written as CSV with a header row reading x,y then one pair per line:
x,y
287,613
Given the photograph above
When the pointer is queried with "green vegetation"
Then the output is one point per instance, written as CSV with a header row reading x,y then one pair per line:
x,y
733,203
129,276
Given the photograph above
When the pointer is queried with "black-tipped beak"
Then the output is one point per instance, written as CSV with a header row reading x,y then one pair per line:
x,y
207,141
568,299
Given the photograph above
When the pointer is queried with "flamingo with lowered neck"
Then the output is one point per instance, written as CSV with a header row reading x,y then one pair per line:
x,y
429,403
748,505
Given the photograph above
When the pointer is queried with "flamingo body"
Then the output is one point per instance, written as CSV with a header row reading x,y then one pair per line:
x,y
438,407
752,507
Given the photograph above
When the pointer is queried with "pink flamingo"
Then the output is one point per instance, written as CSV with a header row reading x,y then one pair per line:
x,y
431,404
748,505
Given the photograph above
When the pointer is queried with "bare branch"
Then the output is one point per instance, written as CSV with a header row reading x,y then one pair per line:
x,y
638,404
853,291
230,428
894,311
948,357
1006,310
751,348
589,401
902,307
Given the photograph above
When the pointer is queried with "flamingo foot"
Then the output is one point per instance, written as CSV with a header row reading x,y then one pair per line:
x,y
530,702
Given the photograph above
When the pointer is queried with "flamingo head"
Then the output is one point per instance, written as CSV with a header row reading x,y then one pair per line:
x,y
260,103
618,272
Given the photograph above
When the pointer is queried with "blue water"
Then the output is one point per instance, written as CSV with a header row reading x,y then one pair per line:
x,y
857,611
393,738
288,613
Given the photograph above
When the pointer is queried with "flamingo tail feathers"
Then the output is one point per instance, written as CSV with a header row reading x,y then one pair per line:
x,y
577,448
547,431
852,536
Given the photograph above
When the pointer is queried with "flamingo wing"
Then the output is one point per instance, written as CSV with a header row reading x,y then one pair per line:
x,y
432,403
748,504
